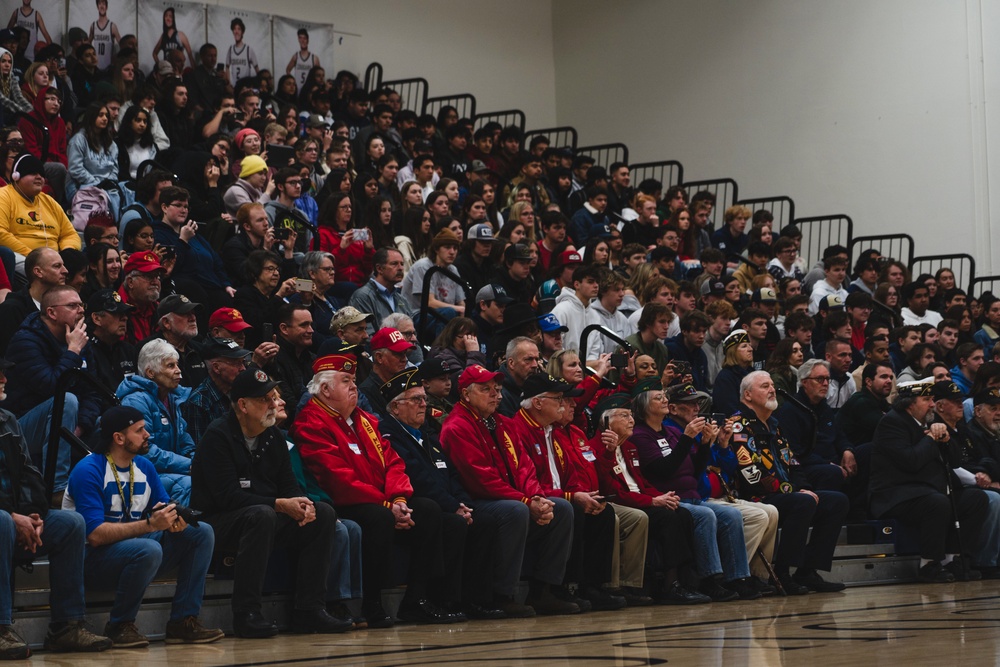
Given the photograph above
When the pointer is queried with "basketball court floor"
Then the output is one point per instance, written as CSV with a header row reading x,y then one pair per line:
x,y
911,624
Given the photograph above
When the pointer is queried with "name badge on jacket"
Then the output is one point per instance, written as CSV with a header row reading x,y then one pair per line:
x,y
354,447
244,483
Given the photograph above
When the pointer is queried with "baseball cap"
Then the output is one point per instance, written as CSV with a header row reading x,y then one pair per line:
x,y
832,302
316,121
227,348
163,68
251,383
540,383
119,418
435,367
494,292
108,301
348,315
548,323
764,295
567,257
144,262
948,390
517,252
479,166
390,339
176,303
713,287
482,232
477,374
229,319
988,397
8,35
517,315
685,393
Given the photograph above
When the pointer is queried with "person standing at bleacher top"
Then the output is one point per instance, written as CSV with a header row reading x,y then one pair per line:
x,y
135,533
29,530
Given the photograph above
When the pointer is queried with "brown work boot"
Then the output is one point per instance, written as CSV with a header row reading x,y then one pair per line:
x,y
188,630
125,635
74,637
12,647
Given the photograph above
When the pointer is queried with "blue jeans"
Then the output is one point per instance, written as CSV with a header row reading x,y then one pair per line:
x,y
718,537
63,540
344,580
35,425
989,538
128,567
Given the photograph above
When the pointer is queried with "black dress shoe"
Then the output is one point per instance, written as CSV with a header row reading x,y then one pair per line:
x,y
792,587
744,588
563,593
602,600
318,621
424,611
376,616
762,586
677,594
811,580
483,612
964,572
253,625
635,597
713,589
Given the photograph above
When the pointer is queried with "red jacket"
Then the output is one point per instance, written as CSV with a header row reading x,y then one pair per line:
x,y
491,464
352,465
614,482
34,136
583,456
532,437
353,263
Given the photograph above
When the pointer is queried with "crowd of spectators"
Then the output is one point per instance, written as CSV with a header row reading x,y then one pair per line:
x,y
346,331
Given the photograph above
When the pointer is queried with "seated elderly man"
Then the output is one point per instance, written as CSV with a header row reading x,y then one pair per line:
x,y
470,540
496,470
179,326
352,463
389,357
208,401
141,289
244,484
156,392
909,483
761,473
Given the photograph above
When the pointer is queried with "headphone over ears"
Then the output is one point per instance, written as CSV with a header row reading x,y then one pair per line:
x,y
15,175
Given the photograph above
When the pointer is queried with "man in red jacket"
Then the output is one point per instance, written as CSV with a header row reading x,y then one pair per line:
x,y
593,521
497,472
341,446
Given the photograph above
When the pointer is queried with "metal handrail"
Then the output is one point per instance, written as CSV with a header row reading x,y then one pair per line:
x,y
425,296
607,333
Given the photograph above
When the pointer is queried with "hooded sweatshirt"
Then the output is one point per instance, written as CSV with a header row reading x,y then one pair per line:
x,y
34,137
11,97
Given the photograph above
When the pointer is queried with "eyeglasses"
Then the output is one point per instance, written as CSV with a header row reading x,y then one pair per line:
x,y
74,306
113,237
293,183
181,205
824,379
419,400
328,269
409,334
345,208
270,269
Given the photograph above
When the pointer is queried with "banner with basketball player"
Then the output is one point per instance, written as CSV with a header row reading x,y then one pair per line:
x,y
105,22
169,24
45,21
299,46
243,40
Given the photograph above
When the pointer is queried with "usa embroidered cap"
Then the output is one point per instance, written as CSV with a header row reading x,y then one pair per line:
x,y
477,374
117,419
251,383
229,319
340,362
390,339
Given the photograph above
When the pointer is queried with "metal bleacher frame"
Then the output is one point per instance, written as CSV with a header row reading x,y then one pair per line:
x,y
605,154
373,77
464,103
991,283
506,118
781,207
726,191
412,92
668,172
896,246
559,137
821,231
962,264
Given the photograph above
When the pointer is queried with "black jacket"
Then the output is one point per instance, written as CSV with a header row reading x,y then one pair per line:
x,y
906,463
113,363
17,306
22,490
429,469
977,450
292,371
800,428
226,476
860,415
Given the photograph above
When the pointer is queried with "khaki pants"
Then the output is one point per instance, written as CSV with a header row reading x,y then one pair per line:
x,y
760,528
629,556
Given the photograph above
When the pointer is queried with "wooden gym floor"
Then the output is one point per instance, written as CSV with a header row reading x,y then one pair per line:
x,y
946,624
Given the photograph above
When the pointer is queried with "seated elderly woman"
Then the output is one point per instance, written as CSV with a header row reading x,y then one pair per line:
x,y
155,391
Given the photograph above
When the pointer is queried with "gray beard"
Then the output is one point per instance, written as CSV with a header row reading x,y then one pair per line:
x,y
771,405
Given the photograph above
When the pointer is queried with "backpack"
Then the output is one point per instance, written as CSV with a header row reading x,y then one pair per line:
x,y
86,202
120,197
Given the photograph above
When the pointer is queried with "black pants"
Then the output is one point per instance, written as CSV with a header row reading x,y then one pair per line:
x,y
798,511
253,531
593,545
934,519
468,559
673,532
379,534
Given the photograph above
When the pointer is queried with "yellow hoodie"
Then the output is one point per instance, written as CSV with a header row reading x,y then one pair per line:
x,y
26,225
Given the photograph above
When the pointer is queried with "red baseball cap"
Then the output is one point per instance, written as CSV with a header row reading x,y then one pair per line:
x,y
228,318
390,339
477,375
567,257
146,262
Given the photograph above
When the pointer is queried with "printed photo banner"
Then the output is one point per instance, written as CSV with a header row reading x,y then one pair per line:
x,y
169,24
45,21
105,22
296,53
243,39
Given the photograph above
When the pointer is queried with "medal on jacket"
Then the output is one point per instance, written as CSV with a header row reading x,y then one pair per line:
x,y
126,508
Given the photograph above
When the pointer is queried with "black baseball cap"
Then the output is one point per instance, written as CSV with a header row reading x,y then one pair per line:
x,y
251,383
108,301
214,348
176,303
117,419
435,367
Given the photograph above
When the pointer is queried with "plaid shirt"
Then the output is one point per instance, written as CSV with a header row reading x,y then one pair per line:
x,y
205,404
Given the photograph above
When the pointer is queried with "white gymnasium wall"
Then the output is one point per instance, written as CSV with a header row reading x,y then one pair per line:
x,y
459,47
873,108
